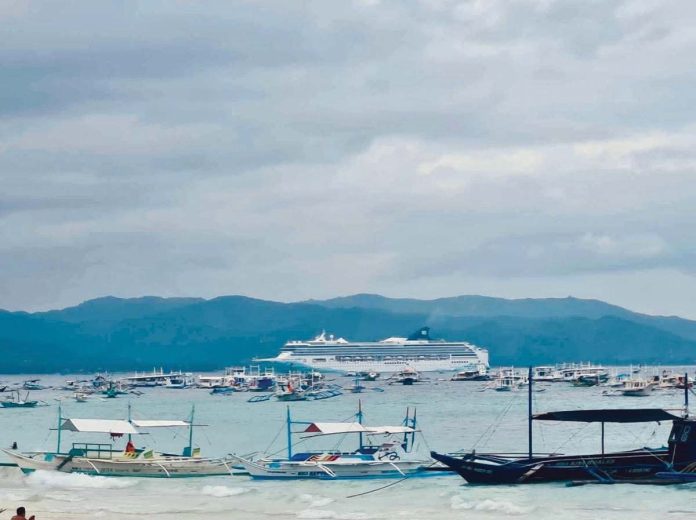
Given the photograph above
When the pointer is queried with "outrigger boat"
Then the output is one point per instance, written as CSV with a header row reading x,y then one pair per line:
x,y
103,459
385,459
637,388
643,465
33,384
15,401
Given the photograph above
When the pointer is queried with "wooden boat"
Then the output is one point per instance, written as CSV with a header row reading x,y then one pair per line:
x,y
639,465
471,375
81,397
637,388
287,392
572,372
15,400
408,376
508,380
33,384
585,380
105,460
387,458
369,376
507,384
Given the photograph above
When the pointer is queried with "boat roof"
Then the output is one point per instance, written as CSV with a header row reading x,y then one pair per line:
x,y
98,426
160,424
328,428
611,415
381,430
354,427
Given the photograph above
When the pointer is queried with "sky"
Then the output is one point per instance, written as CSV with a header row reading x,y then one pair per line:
x,y
311,149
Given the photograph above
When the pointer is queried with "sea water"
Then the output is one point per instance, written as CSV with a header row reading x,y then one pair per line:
x,y
451,415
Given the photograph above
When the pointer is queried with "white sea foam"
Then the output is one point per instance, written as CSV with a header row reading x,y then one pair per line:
x,y
316,501
321,514
55,480
222,491
316,514
492,506
65,496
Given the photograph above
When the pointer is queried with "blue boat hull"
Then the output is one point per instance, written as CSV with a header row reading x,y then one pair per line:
x,y
611,467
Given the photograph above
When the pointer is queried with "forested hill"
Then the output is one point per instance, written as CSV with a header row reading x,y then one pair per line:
x,y
196,334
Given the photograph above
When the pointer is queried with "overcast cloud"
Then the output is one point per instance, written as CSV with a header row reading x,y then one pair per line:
x,y
293,150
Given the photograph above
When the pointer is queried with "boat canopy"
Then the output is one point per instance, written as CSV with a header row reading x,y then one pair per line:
x,y
335,428
160,424
98,426
354,427
609,415
382,430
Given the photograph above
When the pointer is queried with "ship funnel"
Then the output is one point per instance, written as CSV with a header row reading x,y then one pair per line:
x,y
423,334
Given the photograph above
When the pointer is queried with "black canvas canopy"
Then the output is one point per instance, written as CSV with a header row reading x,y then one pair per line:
x,y
616,415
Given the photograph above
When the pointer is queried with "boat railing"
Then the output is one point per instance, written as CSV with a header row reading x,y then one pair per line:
x,y
509,454
92,450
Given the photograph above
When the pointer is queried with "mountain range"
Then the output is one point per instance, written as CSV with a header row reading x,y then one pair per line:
x,y
196,334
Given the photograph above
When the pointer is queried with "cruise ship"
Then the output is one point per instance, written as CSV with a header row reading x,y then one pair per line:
x,y
417,351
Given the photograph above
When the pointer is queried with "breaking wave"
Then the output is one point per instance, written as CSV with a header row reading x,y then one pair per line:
x,y
315,501
488,505
318,514
222,491
55,480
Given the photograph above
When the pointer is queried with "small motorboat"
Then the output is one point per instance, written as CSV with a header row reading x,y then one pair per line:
x,y
223,390
471,375
408,376
80,397
287,392
508,380
369,376
33,384
637,388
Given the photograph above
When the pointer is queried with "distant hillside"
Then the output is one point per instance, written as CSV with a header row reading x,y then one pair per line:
x,y
482,306
192,333
521,308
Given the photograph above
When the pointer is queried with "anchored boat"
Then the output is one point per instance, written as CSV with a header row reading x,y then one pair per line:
x,y
643,465
15,400
382,452
106,460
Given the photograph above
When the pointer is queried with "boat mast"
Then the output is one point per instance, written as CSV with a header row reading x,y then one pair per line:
x,y
289,425
60,421
413,424
530,379
359,416
686,394
406,422
130,437
190,444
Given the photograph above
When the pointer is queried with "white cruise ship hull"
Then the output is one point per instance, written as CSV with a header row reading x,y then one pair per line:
x,y
341,469
420,365
394,354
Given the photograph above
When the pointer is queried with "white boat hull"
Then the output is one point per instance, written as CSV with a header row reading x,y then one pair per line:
x,y
642,392
277,469
158,467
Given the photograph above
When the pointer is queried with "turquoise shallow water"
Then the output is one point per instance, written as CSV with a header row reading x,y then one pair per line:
x,y
452,415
